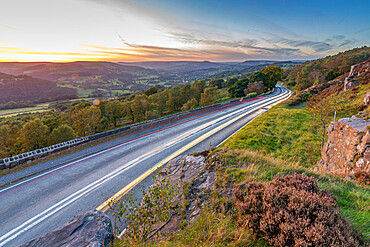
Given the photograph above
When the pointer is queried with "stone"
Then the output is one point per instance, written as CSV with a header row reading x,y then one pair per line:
x,y
348,147
92,229
349,83
367,98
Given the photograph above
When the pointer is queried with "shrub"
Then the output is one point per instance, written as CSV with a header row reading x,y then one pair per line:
x,y
139,218
362,176
251,95
292,211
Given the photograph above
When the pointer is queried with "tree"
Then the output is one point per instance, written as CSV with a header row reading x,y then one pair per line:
x,y
33,135
191,104
255,87
237,90
218,83
271,75
151,91
209,96
331,75
85,120
139,106
197,89
62,133
322,108
174,102
231,82
114,111
9,145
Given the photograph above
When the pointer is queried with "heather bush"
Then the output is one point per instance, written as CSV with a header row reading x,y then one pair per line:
x,y
362,177
292,211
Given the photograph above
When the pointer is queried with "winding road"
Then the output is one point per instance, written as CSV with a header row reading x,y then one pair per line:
x,y
38,203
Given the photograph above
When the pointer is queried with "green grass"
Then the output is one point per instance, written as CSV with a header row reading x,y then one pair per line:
x,y
282,132
13,112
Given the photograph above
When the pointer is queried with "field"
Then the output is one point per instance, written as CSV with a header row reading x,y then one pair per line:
x,y
14,112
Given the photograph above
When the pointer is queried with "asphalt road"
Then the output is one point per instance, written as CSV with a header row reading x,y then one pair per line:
x,y
35,205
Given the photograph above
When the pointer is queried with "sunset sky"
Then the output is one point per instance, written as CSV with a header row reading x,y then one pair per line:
x,y
214,30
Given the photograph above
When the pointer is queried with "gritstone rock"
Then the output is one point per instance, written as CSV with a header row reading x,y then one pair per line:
x,y
92,229
348,147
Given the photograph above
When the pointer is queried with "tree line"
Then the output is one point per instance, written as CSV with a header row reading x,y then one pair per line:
x,y
68,120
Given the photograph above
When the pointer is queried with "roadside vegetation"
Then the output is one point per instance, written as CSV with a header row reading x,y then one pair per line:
x,y
280,149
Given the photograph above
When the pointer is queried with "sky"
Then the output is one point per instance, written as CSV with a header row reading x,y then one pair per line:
x,y
167,30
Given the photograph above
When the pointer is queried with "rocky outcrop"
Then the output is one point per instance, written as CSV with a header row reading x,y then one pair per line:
x,y
92,228
361,69
348,147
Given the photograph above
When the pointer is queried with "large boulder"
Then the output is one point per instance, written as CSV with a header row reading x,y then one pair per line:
x,y
348,147
92,229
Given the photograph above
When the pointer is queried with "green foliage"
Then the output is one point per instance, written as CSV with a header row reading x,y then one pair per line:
x,y
140,217
251,95
237,90
269,75
60,134
218,83
114,111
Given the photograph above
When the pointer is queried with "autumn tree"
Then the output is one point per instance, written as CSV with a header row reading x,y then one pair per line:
x,y
270,75
9,145
191,104
62,133
139,106
197,89
255,87
114,111
174,102
159,99
85,118
209,96
127,111
33,135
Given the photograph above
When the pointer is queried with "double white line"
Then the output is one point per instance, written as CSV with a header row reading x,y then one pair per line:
x,y
80,193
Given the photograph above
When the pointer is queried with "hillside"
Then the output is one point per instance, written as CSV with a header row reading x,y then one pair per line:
x,y
27,88
325,69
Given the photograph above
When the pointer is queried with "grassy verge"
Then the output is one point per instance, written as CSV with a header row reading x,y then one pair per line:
x,y
284,132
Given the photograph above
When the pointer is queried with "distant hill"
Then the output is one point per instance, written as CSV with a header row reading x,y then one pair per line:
x,y
26,88
102,78
325,69
56,71
178,66
95,79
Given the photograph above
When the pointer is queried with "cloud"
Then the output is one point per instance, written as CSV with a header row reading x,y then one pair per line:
x,y
363,30
317,46
339,37
346,42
